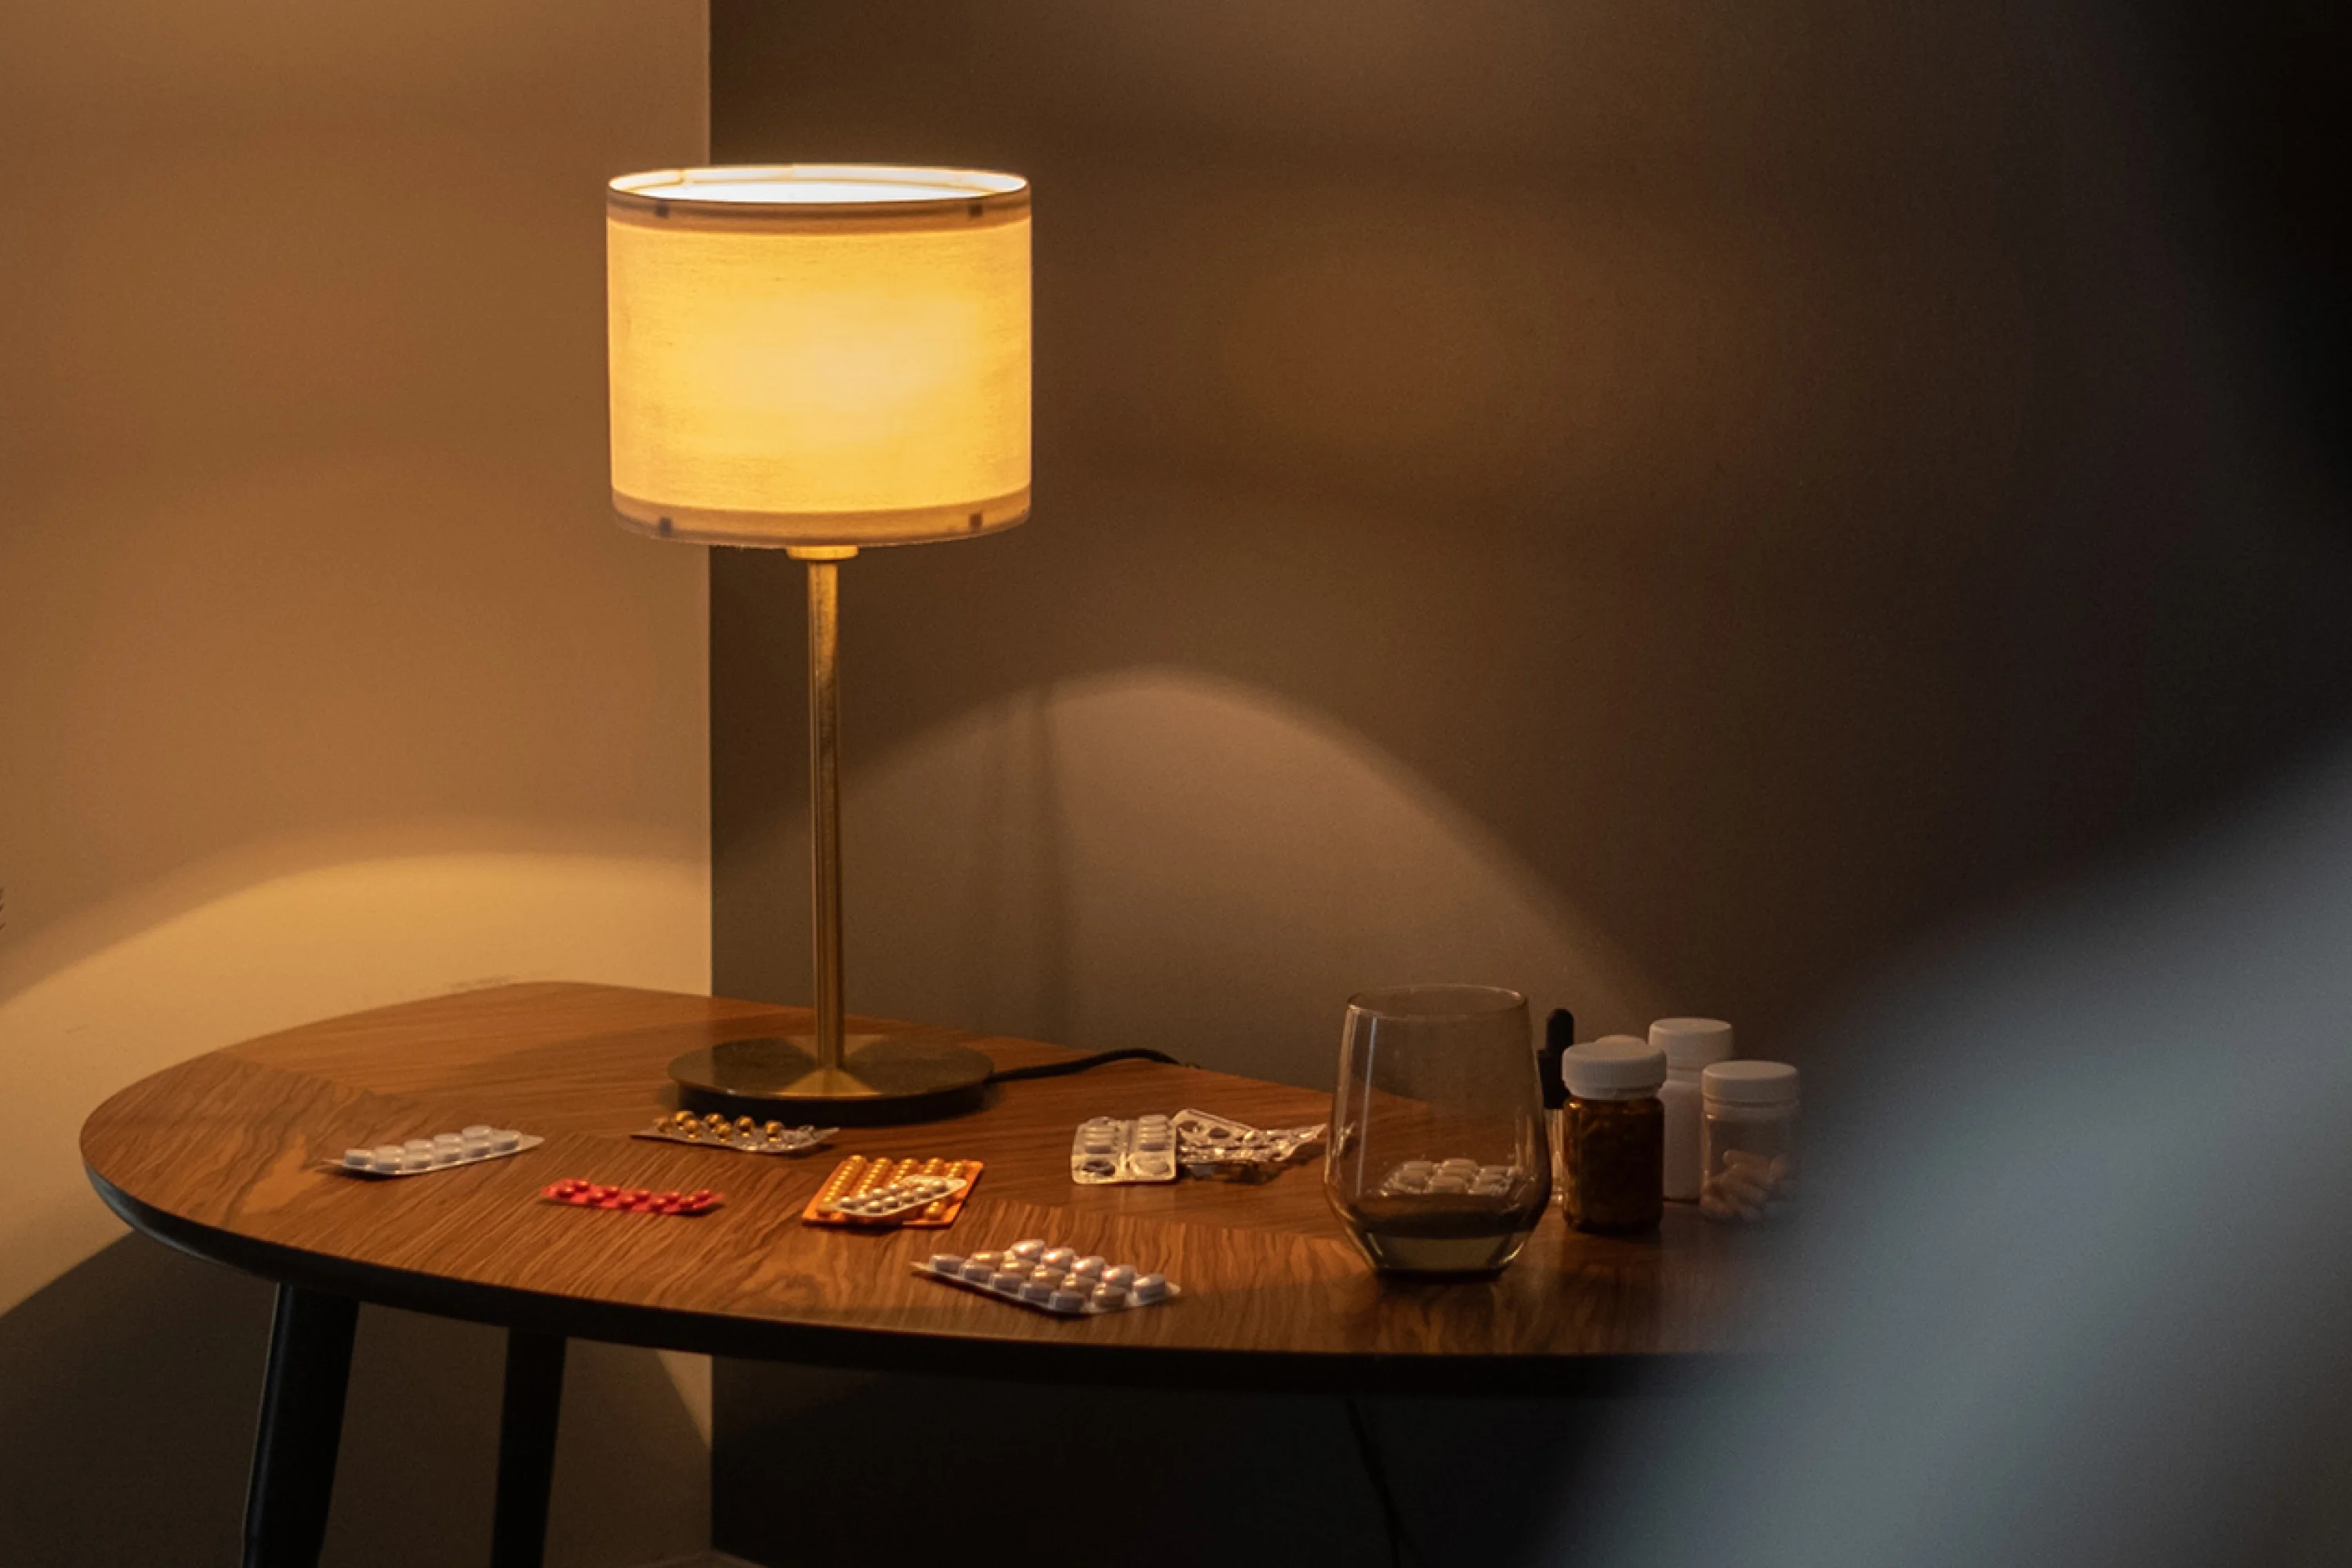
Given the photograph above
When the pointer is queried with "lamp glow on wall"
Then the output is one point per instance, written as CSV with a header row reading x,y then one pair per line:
x,y
821,359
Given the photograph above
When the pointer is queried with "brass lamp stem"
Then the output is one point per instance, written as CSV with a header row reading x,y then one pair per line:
x,y
824,796
891,1076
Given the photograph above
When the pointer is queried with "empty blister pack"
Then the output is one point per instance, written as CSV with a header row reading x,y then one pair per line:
x,y
1036,1273
744,1135
861,1177
445,1153
1416,1178
1107,1151
581,1192
1209,1146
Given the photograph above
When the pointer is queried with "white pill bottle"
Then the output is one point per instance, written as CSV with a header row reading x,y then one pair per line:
x,y
1691,1045
1749,1116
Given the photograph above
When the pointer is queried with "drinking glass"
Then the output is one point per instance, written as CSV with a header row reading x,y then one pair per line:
x,y
1438,1162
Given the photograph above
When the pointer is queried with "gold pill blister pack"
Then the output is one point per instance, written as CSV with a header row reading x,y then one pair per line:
x,y
744,1135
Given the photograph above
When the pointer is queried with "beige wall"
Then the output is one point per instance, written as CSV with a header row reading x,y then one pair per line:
x,y
1670,505
325,679
1665,506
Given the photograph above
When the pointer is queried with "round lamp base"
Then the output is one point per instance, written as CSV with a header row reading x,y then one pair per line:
x,y
882,1078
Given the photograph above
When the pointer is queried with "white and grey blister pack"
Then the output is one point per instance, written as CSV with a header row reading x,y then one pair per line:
x,y
1036,1273
445,1153
1107,1151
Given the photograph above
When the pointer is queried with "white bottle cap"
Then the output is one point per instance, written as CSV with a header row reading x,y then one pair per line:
x,y
1691,1044
1614,1066
1750,1083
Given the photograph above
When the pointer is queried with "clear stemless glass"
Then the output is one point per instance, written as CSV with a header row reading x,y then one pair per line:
x,y
1438,1160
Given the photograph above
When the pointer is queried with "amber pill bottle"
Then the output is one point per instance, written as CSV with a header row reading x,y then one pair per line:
x,y
1613,1135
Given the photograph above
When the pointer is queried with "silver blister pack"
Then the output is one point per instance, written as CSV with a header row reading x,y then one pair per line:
x,y
1037,1274
1107,1151
899,1199
445,1153
1209,1146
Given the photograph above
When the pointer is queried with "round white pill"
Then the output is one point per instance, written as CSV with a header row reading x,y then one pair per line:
x,y
447,1140
419,1145
478,1130
357,1159
1067,1301
389,1156
1150,1288
505,1139
1119,1274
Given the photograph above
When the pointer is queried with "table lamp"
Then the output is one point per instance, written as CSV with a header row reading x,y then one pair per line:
x,y
820,359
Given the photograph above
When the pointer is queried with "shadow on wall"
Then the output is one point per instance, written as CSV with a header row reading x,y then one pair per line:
x,y
1107,859
134,1378
1171,1478
1731,461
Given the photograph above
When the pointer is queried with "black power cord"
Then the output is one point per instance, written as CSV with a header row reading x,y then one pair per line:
x,y
1080,1064
1400,1545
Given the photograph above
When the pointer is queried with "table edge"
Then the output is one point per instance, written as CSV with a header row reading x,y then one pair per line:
x,y
927,1353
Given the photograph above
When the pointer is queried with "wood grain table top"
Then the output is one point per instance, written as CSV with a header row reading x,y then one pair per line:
x,y
225,1156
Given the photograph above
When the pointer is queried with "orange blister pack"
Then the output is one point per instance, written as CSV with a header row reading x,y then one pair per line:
x,y
860,1175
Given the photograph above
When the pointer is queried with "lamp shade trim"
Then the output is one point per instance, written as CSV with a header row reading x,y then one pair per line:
x,y
865,530
815,197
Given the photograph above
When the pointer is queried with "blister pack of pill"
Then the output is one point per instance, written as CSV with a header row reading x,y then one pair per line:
x,y
581,1192
1107,1151
896,1200
1418,1178
842,1199
445,1153
1209,1146
744,1135
1036,1273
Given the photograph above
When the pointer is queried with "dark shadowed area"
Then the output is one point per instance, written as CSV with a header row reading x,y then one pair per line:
x,y
1674,508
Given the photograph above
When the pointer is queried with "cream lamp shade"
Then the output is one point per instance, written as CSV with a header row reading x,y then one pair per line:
x,y
819,355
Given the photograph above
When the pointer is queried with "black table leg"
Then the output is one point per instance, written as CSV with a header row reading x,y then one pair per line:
x,y
301,1427
526,1448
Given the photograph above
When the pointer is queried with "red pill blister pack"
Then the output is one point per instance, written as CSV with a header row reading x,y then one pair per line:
x,y
587,1194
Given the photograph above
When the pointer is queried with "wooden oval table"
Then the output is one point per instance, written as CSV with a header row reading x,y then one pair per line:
x,y
226,1156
